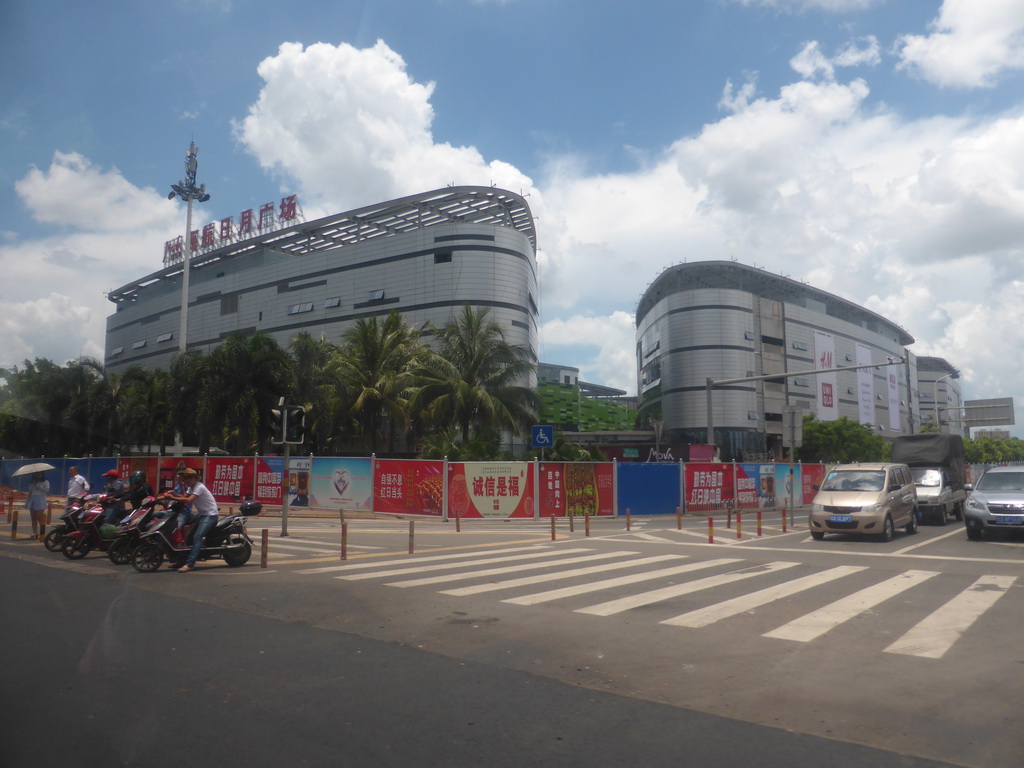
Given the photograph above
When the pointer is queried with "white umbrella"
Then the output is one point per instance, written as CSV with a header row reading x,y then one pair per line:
x,y
31,469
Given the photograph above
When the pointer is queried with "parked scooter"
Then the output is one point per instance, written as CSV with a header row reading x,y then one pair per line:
x,y
70,521
92,533
130,529
164,540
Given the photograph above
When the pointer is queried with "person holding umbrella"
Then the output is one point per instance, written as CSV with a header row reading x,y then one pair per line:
x,y
35,502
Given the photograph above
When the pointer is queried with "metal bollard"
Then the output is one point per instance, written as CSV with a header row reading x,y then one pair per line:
x,y
264,546
783,519
458,523
628,518
14,525
711,529
679,518
586,522
739,525
759,522
572,527
552,527
412,528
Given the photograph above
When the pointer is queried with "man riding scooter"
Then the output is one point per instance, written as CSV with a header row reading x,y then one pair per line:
x,y
204,507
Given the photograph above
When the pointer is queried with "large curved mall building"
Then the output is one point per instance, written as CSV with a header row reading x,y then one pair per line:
x,y
426,256
721,320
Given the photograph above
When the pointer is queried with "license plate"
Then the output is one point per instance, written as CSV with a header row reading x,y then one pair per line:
x,y
841,519
1008,520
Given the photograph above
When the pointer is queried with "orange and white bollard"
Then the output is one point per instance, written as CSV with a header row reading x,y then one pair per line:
x,y
711,530
679,518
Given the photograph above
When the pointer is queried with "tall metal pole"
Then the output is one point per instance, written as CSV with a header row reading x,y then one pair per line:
x,y
183,327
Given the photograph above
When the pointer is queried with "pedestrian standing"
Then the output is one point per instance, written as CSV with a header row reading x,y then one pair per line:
x,y
78,486
35,502
204,506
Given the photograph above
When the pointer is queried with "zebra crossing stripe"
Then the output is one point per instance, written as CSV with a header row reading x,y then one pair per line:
x,y
936,633
407,560
817,623
540,579
675,590
443,566
702,617
462,576
596,586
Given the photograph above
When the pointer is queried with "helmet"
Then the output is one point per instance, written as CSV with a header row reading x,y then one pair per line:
x,y
138,477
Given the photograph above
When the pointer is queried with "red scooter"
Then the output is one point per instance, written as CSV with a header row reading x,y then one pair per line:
x,y
69,521
92,532
130,529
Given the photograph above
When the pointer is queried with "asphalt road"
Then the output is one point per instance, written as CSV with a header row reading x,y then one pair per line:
x,y
299,665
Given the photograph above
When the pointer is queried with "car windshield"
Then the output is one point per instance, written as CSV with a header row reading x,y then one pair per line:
x,y
927,478
1001,481
855,480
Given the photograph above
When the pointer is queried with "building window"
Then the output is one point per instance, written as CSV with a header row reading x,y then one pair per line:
x,y
164,337
375,295
800,345
443,258
296,309
752,415
748,335
801,382
229,304
117,351
139,344
333,302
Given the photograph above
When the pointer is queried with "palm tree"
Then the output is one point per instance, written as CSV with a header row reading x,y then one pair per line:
x,y
244,377
372,370
311,358
476,378
146,410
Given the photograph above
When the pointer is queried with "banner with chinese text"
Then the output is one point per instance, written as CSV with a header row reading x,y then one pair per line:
x,y
408,487
490,489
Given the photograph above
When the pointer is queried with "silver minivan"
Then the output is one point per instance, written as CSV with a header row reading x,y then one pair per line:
x,y
873,499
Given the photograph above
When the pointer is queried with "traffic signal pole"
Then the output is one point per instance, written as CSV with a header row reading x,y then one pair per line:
x,y
285,492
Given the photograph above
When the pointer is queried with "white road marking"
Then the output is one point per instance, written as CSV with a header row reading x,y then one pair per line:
x,y
443,566
958,531
540,579
817,623
407,560
463,575
596,586
705,616
936,633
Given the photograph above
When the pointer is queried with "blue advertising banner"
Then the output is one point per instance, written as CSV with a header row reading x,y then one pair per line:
x,y
338,484
648,488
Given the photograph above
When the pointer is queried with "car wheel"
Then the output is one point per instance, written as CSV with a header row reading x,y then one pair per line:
x,y
974,534
888,529
943,518
817,535
958,511
912,525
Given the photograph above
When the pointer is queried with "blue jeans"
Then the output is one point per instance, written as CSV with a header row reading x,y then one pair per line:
x,y
203,526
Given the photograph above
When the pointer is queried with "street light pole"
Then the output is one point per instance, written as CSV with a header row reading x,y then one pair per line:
x,y
188,192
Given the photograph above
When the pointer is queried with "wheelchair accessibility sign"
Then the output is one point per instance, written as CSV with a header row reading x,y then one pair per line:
x,y
542,435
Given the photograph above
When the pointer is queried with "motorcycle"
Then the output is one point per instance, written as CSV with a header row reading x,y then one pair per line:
x,y
69,522
164,540
130,529
92,532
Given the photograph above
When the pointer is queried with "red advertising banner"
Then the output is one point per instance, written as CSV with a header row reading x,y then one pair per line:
x,y
708,486
230,479
408,487
811,475
490,489
576,489
268,480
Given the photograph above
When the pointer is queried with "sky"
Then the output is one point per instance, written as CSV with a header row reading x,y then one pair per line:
x,y
871,148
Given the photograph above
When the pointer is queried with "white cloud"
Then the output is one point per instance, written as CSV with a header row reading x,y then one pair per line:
x,y
116,237
351,128
601,347
971,44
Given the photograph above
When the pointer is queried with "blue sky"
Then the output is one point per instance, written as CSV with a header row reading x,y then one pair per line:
x,y
873,148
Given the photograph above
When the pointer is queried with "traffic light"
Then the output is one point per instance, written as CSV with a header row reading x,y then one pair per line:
x,y
295,424
277,422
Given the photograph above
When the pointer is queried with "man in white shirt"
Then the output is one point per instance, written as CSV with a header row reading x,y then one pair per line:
x,y
204,509
78,486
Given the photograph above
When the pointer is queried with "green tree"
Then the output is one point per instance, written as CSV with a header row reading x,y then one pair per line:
x,y
312,358
841,442
244,378
372,371
476,379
